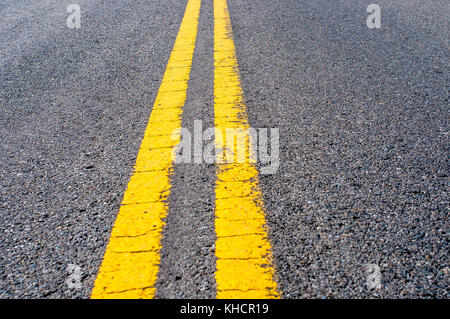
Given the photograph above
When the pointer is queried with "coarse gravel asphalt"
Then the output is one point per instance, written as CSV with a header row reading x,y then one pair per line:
x,y
363,117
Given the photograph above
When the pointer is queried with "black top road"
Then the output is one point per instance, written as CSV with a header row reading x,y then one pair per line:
x,y
358,207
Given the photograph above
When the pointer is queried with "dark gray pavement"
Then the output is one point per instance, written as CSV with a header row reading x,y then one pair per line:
x,y
363,117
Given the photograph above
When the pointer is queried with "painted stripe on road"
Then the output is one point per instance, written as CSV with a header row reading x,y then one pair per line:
x,y
131,261
243,251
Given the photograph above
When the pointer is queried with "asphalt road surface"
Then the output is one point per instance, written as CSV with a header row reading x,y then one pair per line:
x,y
363,119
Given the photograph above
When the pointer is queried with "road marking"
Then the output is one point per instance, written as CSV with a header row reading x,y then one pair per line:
x,y
131,261
243,251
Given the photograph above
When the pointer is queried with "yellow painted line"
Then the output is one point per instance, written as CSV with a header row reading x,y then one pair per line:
x,y
243,251
131,261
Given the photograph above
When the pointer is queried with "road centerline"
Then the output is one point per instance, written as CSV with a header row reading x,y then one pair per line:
x,y
131,261
244,260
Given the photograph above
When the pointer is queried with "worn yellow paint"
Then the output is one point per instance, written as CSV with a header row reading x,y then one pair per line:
x,y
131,261
243,250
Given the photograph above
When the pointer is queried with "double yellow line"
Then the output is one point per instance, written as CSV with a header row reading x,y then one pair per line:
x,y
244,262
